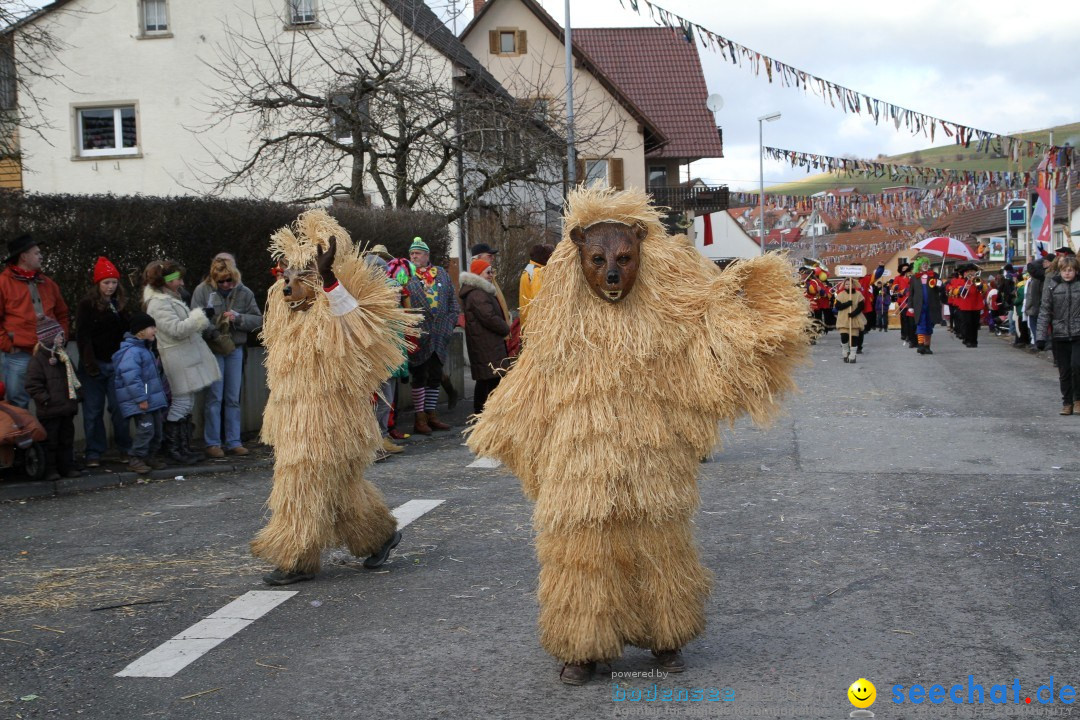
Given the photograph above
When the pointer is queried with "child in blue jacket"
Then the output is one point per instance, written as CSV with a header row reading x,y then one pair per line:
x,y
140,393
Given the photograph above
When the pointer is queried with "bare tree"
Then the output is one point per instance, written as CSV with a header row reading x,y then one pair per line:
x,y
29,58
371,104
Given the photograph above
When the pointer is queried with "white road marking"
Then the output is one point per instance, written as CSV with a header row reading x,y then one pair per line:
x,y
175,654
413,509
486,463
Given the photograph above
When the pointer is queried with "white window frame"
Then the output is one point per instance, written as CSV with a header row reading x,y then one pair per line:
x,y
302,12
118,150
146,31
595,162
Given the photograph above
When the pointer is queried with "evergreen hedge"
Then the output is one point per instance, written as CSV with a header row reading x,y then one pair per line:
x,y
134,230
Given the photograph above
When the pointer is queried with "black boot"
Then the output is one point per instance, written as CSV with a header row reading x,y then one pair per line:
x,y
174,443
451,394
186,428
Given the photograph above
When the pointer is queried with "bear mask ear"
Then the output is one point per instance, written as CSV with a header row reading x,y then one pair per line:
x,y
577,235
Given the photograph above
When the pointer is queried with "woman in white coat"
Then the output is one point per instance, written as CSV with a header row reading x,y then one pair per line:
x,y
187,361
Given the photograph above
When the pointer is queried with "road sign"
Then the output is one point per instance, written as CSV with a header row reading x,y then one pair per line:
x,y
1018,216
852,271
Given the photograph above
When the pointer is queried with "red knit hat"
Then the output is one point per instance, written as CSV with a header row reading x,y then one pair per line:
x,y
479,266
103,270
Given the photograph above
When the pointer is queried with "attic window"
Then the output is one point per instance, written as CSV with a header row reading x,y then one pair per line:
x,y
507,41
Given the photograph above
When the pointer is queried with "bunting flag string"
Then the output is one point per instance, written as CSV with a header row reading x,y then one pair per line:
x,y
1044,176
848,100
895,207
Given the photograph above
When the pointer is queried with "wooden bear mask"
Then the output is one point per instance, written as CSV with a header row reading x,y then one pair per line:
x,y
610,253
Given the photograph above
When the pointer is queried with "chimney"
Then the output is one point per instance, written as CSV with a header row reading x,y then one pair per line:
x,y
477,6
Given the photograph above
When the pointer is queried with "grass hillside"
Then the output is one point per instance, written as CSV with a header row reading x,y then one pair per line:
x,y
944,156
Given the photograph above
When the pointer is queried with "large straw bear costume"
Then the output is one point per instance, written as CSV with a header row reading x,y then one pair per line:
x,y
325,356
610,408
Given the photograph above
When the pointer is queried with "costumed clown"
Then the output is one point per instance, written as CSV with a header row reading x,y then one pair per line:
x,y
333,331
637,348
900,286
925,298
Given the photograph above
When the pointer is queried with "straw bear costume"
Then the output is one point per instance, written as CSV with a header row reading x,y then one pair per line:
x,y
322,366
608,412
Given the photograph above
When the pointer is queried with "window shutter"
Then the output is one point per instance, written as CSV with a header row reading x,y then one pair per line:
x,y
579,171
522,47
493,41
615,173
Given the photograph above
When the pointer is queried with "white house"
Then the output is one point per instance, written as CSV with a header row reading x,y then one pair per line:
x,y
129,112
718,236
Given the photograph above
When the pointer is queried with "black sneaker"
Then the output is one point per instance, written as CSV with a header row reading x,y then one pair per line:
x,y
283,577
384,552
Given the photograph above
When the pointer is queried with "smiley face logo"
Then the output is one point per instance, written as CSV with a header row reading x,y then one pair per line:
x,y
862,693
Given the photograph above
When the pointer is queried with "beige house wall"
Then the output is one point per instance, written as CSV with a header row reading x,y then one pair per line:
x,y
604,128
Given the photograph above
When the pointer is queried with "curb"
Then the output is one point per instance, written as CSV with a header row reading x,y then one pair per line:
x,y
86,483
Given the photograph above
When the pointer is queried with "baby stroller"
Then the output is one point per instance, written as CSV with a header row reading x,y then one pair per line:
x,y
20,435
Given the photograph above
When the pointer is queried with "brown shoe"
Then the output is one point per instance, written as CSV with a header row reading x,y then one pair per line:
x,y
436,423
577,673
215,451
421,426
239,450
1067,409
138,465
391,447
1076,408
670,660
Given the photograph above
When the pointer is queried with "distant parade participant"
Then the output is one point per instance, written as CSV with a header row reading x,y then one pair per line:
x,y
925,292
817,295
970,299
849,316
900,288
863,288
952,289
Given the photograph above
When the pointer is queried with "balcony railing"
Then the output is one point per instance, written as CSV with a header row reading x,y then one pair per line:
x,y
709,198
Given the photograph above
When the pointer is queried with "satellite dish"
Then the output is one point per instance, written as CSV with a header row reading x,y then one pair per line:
x,y
715,102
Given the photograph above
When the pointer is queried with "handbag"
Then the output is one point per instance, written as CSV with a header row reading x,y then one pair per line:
x,y
219,338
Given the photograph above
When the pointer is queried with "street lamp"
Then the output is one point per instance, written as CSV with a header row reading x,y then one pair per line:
x,y
761,174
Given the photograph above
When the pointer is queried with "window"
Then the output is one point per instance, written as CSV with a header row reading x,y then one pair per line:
x,y
8,96
301,12
155,16
346,117
657,176
107,131
507,41
596,173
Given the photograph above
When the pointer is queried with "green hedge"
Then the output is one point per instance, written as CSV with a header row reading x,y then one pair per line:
x,y
134,230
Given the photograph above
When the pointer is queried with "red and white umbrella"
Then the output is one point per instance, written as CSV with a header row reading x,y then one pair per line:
x,y
944,247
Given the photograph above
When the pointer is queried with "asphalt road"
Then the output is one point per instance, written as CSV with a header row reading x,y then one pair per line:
x,y
912,520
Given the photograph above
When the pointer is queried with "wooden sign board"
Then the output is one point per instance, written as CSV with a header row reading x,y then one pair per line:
x,y
850,271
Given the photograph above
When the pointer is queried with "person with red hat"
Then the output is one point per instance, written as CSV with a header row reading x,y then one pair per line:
x,y
28,298
485,330
101,319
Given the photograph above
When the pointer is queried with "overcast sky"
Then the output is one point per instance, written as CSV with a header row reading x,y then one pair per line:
x,y
996,65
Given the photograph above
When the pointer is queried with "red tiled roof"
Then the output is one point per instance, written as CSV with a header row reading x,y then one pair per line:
x,y
661,73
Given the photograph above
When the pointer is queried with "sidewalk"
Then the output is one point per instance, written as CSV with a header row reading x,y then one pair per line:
x,y
116,474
